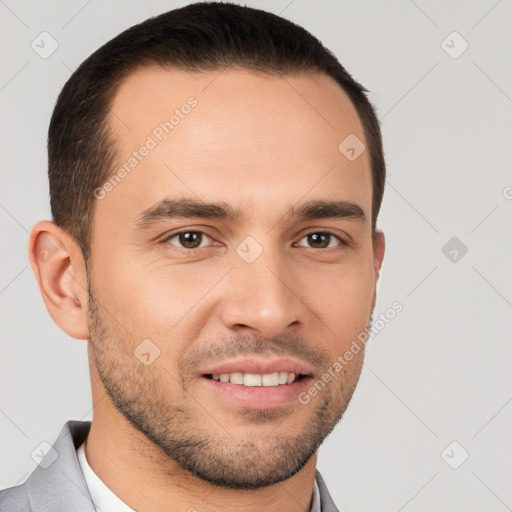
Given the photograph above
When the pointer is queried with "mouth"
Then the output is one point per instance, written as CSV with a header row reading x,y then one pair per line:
x,y
255,391
273,379
255,383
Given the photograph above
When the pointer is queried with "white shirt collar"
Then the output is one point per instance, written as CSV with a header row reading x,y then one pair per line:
x,y
104,500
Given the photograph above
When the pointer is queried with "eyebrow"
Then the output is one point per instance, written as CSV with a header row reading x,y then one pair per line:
x,y
184,208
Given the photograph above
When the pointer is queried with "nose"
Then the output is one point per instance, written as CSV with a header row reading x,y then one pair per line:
x,y
260,297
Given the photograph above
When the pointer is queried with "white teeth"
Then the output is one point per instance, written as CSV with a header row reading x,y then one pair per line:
x,y
283,377
270,379
255,379
252,379
236,378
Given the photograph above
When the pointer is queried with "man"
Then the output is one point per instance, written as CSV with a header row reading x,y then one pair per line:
x,y
215,181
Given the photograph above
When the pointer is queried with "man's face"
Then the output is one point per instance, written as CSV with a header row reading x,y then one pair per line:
x,y
266,292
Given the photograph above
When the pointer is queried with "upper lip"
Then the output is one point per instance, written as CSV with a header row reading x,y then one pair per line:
x,y
261,366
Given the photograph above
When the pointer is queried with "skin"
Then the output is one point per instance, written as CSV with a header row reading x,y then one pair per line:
x,y
262,144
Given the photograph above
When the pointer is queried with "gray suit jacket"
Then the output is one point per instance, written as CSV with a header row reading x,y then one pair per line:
x,y
58,484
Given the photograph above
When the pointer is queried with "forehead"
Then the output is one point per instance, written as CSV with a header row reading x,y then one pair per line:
x,y
233,135
152,94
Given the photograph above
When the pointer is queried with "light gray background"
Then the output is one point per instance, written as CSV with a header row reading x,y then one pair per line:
x,y
440,371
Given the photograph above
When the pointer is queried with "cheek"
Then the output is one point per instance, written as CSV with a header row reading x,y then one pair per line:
x,y
150,298
348,297
343,300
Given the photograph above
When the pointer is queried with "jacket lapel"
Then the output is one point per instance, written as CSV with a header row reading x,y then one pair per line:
x,y
325,498
59,486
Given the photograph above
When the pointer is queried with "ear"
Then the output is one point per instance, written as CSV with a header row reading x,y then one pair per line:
x,y
59,267
379,246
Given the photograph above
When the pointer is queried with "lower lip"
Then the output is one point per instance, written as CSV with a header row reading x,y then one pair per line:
x,y
258,397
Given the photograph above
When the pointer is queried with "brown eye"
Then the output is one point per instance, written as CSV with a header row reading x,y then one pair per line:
x,y
187,239
322,240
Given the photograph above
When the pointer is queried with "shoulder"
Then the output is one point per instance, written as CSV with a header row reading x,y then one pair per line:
x,y
14,499
57,481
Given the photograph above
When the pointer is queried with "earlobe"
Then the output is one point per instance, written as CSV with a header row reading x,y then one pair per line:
x,y
59,268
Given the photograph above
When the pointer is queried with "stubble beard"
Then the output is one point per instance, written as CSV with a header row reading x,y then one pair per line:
x,y
195,439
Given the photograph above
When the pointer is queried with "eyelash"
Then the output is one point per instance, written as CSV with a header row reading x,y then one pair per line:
x,y
194,250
